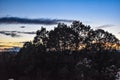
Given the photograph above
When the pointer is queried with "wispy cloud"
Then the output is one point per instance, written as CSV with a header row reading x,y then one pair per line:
x,y
4,45
45,21
26,32
10,33
11,44
105,26
22,26
15,33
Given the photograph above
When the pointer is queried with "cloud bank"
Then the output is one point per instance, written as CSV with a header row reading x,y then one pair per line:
x,y
32,21
104,26
15,33
9,33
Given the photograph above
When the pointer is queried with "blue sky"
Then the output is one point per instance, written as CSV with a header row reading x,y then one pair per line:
x,y
93,12
71,9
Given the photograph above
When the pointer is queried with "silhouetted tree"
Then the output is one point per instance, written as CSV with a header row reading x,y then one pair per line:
x,y
74,52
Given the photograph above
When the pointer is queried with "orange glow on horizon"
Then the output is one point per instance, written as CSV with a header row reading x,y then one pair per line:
x,y
7,45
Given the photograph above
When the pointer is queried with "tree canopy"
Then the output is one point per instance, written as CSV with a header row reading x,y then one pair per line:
x,y
74,52
75,37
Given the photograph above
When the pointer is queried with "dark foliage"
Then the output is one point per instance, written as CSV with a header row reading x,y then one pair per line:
x,y
74,52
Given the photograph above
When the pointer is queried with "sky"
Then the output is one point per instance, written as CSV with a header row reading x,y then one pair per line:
x,y
69,9
103,14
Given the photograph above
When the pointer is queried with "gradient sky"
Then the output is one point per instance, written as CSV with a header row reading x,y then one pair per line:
x,y
87,10
70,9
97,13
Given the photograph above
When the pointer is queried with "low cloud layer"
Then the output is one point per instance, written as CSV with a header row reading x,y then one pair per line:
x,y
32,21
104,26
9,33
15,33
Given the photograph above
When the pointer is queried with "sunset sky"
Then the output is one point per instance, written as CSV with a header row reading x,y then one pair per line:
x,y
104,14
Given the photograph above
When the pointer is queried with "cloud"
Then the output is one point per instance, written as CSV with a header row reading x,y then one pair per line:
x,y
11,44
5,47
10,33
22,26
32,21
105,26
2,45
15,33
26,32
